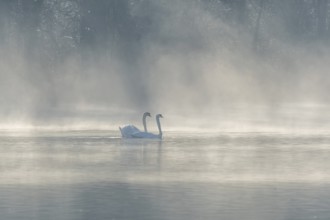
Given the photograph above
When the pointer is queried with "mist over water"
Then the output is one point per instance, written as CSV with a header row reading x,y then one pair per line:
x,y
98,175
98,65
242,85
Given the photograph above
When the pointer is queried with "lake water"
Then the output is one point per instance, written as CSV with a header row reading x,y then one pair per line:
x,y
97,175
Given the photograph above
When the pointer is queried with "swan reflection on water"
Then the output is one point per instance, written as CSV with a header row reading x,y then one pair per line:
x,y
130,131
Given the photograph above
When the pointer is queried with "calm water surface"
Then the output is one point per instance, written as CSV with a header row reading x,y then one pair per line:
x,y
97,175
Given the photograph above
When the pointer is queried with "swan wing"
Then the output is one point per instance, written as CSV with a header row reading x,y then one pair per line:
x,y
128,130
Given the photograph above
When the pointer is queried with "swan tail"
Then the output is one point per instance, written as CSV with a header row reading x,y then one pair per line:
x,y
120,131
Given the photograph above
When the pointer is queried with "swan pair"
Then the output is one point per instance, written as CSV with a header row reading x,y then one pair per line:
x,y
130,131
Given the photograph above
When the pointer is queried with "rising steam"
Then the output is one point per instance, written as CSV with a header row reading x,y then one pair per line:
x,y
185,60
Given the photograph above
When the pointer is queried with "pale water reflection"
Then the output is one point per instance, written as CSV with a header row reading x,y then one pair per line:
x,y
97,175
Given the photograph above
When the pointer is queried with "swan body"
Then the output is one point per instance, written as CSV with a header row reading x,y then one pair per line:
x,y
148,135
128,130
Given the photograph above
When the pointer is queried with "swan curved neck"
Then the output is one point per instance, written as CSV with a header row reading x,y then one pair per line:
x,y
144,121
159,127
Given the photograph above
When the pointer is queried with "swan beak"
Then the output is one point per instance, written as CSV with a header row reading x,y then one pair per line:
x,y
161,116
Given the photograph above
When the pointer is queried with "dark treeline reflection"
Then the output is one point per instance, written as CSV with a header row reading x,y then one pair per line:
x,y
61,57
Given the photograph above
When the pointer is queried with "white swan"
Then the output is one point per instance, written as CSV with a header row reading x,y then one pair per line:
x,y
151,135
128,130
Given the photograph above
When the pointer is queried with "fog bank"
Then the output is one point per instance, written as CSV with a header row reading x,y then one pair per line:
x,y
202,64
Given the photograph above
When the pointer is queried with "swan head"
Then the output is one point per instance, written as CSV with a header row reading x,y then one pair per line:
x,y
159,116
147,114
